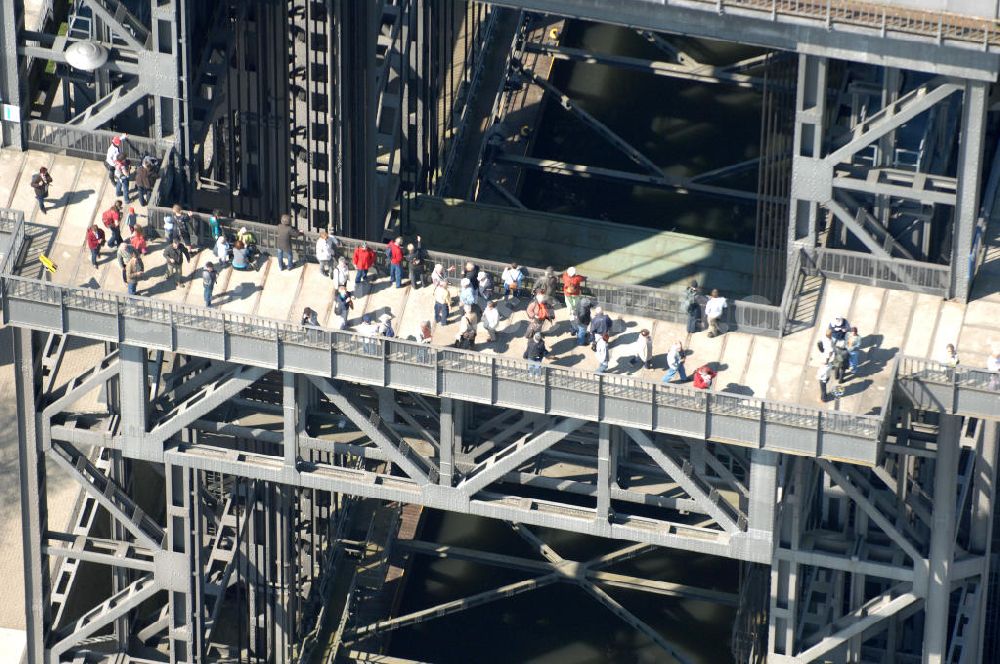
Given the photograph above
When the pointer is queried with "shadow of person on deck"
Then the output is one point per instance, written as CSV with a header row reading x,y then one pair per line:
x,y
70,198
741,390
241,292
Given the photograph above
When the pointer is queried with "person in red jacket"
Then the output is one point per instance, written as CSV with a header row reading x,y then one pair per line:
x,y
95,240
703,377
138,240
363,260
112,218
395,251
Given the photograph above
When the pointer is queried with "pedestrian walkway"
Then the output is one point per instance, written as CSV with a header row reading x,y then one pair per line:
x,y
891,322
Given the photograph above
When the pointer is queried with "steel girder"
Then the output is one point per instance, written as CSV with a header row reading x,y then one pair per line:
x,y
859,556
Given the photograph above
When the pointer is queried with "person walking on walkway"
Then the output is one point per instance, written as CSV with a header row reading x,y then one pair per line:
x,y
115,151
95,240
40,182
467,328
641,350
572,284
111,218
286,232
124,254
145,178
344,299
538,313
548,285
208,278
714,309
175,255
177,224
363,259
416,259
394,250
535,353
675,363
138,241
601,351
691,306
341,274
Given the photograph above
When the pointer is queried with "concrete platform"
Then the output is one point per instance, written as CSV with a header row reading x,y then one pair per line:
x,y
892,322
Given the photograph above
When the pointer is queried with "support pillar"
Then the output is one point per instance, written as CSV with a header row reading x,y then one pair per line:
x,y
970,155
936,606
604,477
183,630
133,400
763,494
452,423
293,415
34,513
981,529
810,107
12,85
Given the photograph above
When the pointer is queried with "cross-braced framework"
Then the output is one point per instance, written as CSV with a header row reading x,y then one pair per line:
x,y
252,465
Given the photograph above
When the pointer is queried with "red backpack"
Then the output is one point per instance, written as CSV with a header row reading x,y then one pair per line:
x,y
110,217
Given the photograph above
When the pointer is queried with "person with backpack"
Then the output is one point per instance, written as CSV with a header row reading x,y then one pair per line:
x,y
40,182
691,307
343,299
394,252
122,174
549,285
208,278
115,151
467,325
286,232
250,242
363,259
485,280
111,218
512,278
583,318
384,328
538,312
703,377
600,322
839,360
176,224
95,240
175,255
145,178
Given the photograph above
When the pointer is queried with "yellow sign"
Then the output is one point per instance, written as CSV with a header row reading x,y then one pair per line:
x,y
49,265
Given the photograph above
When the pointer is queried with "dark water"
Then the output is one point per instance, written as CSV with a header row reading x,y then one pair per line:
x,y
559,623
685,127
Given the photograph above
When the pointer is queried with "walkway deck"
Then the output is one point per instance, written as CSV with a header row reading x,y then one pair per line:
x,y
892,322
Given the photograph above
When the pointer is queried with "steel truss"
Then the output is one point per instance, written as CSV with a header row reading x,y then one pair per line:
x,y
880,204
249,459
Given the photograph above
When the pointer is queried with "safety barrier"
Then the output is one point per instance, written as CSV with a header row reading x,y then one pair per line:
x,y
656,303
882,272
89,144
960,390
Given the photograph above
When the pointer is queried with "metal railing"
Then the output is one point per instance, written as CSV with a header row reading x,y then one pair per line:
x,y
883,272
89,144
980,33
645,301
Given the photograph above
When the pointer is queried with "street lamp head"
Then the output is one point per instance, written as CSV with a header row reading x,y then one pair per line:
x,y
86,55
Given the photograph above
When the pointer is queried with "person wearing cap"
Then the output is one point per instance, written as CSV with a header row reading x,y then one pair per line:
x,y
675,363
40,182
112,155
600,322
208,278
467,295
535,353
384,328
145,177
250,242
840,327
363,259
572,287
130,219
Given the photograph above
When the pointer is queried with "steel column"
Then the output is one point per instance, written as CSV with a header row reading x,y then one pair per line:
x,y
810,106
970,157
942,548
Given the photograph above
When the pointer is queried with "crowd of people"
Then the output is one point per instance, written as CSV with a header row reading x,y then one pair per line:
x,y
469,293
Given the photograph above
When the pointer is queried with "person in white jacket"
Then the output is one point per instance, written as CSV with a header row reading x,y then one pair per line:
x,y
340,273
491,318
222,249
601,349
324,251
114,152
